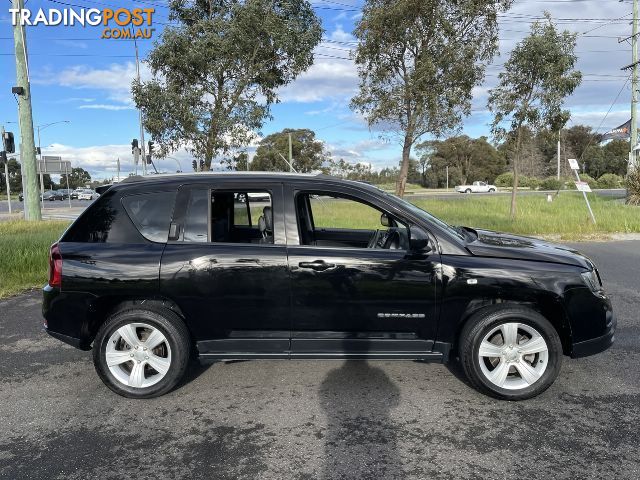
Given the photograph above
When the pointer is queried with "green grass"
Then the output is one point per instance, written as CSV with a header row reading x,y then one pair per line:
x,y
24,248
567,216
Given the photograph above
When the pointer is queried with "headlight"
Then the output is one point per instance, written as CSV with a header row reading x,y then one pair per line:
x,y
590,278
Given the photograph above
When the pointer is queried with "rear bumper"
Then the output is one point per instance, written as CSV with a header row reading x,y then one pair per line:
x,y
65,317
598,344
73,341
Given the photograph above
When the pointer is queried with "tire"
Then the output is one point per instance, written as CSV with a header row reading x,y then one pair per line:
x,y
487,372
132,373
468,190
492,190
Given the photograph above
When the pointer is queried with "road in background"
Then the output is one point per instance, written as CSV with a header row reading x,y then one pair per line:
x,y
321,419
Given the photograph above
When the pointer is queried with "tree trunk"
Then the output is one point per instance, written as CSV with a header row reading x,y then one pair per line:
x,y
404,168
516,161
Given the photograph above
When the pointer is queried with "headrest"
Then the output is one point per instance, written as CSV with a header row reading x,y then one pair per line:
x,y
268,218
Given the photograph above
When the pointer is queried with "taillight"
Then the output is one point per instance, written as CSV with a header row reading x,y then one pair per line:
x,y
55,266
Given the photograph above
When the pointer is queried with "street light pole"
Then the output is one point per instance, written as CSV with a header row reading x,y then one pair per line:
x,y
42,127
634,89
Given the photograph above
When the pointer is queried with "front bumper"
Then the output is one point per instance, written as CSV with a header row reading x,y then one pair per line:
x,y
598,344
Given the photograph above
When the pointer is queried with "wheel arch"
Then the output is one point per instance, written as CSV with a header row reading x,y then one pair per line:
x,y
103,307
546,305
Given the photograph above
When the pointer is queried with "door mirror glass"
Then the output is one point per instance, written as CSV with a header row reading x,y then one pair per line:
x,y
384,220
418,240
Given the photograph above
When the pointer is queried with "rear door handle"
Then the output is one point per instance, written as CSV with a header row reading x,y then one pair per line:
x,y
317,265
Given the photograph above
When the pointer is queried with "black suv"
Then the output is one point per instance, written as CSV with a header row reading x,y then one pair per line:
x,y
162,268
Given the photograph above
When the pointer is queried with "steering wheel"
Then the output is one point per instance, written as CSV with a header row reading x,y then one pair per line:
x,y
373,241
391,240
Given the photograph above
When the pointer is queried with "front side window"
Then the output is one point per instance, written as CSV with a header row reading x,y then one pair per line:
x,y
327,219
221,216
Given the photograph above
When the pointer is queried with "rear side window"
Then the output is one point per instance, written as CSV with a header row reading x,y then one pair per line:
x,y
151,213
104,221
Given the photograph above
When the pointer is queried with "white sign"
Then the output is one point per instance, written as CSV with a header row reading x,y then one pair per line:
x,y
583,187
573,163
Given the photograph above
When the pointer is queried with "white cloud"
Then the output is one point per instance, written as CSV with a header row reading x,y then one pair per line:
x,y
327,78
115,79
340,35
103,106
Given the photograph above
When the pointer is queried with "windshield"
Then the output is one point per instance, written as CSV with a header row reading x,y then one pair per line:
x,y
427,217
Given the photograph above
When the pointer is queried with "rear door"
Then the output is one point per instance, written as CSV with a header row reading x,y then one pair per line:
x,y
226,267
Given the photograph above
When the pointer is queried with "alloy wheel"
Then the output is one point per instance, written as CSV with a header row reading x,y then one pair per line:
x,y
513,356
138,355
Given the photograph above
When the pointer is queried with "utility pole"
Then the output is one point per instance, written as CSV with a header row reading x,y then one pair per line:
x,y
559,132
144,157
447,170
27,142
290,154
6,170
634,88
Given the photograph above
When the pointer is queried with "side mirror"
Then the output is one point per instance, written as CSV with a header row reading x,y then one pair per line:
x,y
384,220
418,240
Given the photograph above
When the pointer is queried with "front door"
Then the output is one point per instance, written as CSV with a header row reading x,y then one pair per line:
x,y
356,289
225,265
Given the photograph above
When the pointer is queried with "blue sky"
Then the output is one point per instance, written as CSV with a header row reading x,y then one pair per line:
x,y
77,76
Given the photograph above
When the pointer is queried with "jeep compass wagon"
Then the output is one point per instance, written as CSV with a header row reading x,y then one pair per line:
x,y
244,266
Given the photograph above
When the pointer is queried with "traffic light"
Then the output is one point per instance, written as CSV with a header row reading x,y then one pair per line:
x,y
8,143
38,151
194,164
149,151
134,145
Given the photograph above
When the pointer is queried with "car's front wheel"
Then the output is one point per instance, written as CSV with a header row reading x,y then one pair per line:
x,y
510,352
468,190
141,353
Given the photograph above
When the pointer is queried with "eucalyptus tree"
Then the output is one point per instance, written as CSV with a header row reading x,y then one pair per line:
x,y
418,61
538,76
217,68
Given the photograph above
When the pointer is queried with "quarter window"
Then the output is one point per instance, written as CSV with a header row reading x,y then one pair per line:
x,y
151,213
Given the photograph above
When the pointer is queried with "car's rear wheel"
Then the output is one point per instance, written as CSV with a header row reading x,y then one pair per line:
x,y
141,353
510,352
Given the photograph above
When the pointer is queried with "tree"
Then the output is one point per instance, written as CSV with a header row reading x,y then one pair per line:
x,y
468,159
217,71
237,162
78,177
536,79
15,176
616,154
418,61
308,153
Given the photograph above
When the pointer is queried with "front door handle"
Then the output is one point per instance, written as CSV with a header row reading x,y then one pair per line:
x,y
317,265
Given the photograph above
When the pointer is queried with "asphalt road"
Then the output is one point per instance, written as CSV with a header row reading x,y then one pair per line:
x,y
321,419
18,206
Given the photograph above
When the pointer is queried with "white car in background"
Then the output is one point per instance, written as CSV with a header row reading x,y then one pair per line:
x,y
88,195
477,187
